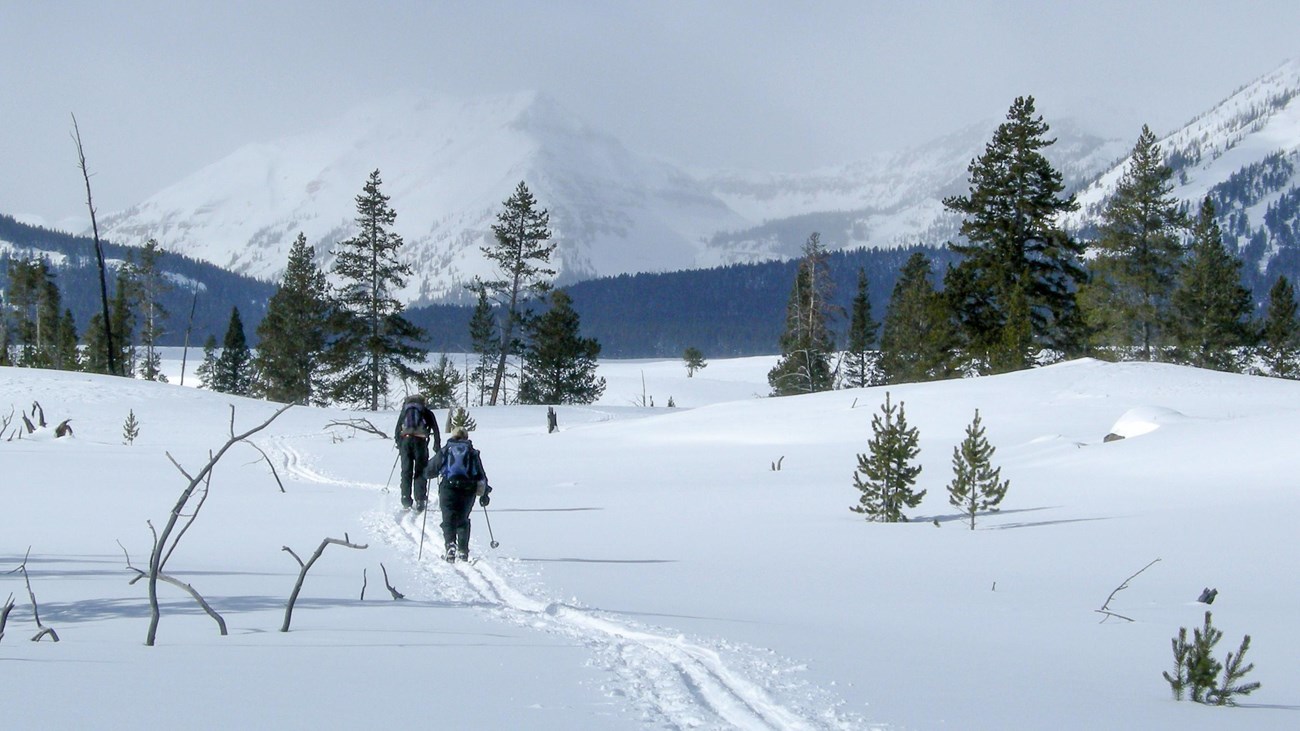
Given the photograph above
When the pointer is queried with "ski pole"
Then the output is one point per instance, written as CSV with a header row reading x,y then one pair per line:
x,y
423,522
494,543
392,471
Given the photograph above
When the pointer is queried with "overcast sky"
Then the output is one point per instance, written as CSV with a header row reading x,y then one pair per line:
x,y
161,89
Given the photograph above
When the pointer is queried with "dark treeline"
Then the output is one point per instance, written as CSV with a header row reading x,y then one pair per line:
x,y
78,282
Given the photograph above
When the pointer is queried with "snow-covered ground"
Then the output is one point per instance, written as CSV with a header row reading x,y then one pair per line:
x,y
654,570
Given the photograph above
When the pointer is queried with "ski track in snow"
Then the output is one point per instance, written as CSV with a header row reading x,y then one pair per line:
x,y
672,680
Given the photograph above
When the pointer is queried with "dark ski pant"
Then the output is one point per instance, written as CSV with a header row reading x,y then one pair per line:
x,y
456,500
415,456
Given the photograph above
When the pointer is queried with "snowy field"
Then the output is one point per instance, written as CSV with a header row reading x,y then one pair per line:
x,y
654,570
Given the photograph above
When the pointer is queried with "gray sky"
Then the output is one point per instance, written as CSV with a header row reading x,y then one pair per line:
x,y
161,89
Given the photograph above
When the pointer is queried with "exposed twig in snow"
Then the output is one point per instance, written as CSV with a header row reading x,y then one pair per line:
x,y
1105,608
302,575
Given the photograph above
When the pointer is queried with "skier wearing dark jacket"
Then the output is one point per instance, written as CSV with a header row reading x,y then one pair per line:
x,y
461,478
416,428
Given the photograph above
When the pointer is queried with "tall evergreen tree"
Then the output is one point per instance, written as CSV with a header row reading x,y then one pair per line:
x,y
1014,246
976,484
1138,254
806,343
122,325
859,357
35,303
233,371
918,339
151,286
485,342
292,335
1279,344
371,339
560,364
522,254
886,474
1211,310
67,355
440,384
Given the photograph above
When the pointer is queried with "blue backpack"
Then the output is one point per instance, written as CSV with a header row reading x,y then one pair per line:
x,y
458,461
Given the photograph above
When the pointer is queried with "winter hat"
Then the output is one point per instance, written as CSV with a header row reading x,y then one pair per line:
x,y
415,398
459,433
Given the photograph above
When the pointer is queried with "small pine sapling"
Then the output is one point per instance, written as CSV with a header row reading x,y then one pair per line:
x,y
1196,669
694,361
888,469
459,417
130,429
975,483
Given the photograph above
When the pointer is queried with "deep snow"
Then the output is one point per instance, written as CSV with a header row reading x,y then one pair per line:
x,y
654,570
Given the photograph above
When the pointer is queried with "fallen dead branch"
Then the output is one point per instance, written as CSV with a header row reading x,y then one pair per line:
x,y
302,575
1105,607
359,424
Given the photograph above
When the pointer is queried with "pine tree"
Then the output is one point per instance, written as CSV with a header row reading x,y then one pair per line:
x,y
694,360
975,483
522,253
292,335
460,418
130,429
859,358
122,324
67,355
440,384
1138,254
888,467
1013,243
233,371
1280,334
806,343
34,300
371,339
917,339
208,368
1210,308
485,343
151,286
560,364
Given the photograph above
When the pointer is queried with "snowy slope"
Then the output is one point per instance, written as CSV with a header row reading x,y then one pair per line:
x,y
654,571
446,165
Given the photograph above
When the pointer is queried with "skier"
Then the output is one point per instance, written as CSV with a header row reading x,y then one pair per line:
x,y
459,470
416,426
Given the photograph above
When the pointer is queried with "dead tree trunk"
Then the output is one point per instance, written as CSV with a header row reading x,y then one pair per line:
x,y
99,254
302,575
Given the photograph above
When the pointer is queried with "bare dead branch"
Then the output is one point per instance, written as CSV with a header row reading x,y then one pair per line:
x,y
1105,607
295,556
63,429
39,413
4,614
359,424
163,545
203,498
302,575
28,423
46,631
274,474
36,611
110,351
188,588
363,588
396,594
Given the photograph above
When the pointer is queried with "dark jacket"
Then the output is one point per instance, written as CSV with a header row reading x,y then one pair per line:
x,y
427,427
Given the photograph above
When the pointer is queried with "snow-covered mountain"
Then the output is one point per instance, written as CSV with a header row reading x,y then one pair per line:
x,y
446,165
1243,153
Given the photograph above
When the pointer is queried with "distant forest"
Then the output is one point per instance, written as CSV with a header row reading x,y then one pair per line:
x,y
727,311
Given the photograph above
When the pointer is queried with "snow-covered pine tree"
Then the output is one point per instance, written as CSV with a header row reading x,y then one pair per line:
x,y
292,335
1279,343
1013,243
976,483
1138,254
559,364
1210,308
918,339
522,254
233,370
886,474
859,357
370,339
806,343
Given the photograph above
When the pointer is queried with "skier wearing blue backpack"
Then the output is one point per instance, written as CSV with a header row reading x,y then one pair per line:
x,y
416,431
460,479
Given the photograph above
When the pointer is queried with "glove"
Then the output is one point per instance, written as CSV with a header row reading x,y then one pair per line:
x,y
484,500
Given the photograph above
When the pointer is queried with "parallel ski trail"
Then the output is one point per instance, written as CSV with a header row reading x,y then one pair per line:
x,y
683,683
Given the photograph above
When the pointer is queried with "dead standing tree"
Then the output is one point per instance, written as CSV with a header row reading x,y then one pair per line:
x,y
165,543
99,254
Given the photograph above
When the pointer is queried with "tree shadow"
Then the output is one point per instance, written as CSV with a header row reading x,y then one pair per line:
x,y
599,560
